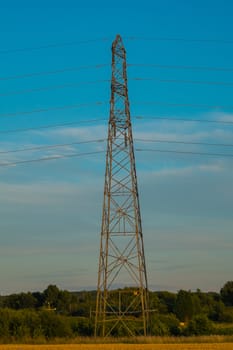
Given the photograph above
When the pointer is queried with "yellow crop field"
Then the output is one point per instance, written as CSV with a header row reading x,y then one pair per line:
x,y
200,346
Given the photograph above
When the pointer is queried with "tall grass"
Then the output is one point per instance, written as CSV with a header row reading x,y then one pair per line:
x,y
213,339
201,346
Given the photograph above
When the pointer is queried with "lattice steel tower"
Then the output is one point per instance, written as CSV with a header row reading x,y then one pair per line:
x,y
122,260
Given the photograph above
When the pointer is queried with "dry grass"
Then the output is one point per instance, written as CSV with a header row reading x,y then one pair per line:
x,y
148,343
142,343
200,346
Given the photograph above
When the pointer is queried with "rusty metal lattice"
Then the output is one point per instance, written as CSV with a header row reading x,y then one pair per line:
x,y
122,292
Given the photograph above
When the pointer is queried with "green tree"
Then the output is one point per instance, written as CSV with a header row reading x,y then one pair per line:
x,y
18,327
199,325
33,322
64,302
51,294
167,301
5,315
226,293
226,315
186,305
81,326
183,307
158,327
54,325
172,323
20,301
40,299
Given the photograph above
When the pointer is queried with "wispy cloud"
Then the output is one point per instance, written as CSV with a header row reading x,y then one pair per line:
x,y
41,193
222,116
81,133
185,202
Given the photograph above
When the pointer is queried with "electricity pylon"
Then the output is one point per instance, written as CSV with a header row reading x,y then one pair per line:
x,y
122,261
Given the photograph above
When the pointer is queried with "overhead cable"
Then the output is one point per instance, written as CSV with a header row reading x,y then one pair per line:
x,y
159,103
188,40
182,81
97,120
36,148
47,147
74,85
186,120
53,108
50,158
52,72
184,142
52,46
50,126
98,66
180,67
189,105
57,157
53,87
106,39
185,152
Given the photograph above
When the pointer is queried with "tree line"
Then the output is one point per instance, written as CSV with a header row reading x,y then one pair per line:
x,y
56,313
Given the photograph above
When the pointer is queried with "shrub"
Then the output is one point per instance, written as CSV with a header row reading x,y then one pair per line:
x,y
158,327
172,323
199,325
81,327
55,325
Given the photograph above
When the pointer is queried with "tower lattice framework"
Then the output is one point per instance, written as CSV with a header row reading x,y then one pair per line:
x,y
122,292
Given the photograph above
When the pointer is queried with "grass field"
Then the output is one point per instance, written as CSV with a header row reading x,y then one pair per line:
x,y
141,343
200,346
148,343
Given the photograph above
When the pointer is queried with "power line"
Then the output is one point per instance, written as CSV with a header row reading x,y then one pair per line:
x,y
106,39
185,120
159,103
36,148
102,140
185,142
53,87
185,152
182,81
192,105
188,40
50,158
98,66
180,67
53,46
98,152
50,126
54,108
73,85
52,72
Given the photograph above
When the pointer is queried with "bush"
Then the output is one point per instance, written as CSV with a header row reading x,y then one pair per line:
x,y
81,327
227,315
172,323
227,293
158,327
199,325
18,327
55,325
5,315
223,330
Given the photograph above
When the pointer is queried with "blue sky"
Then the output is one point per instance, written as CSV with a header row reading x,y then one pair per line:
x,y
51,211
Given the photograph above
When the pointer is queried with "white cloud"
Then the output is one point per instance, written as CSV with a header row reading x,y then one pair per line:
x,y
185,202
79,133
222,116
40,193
